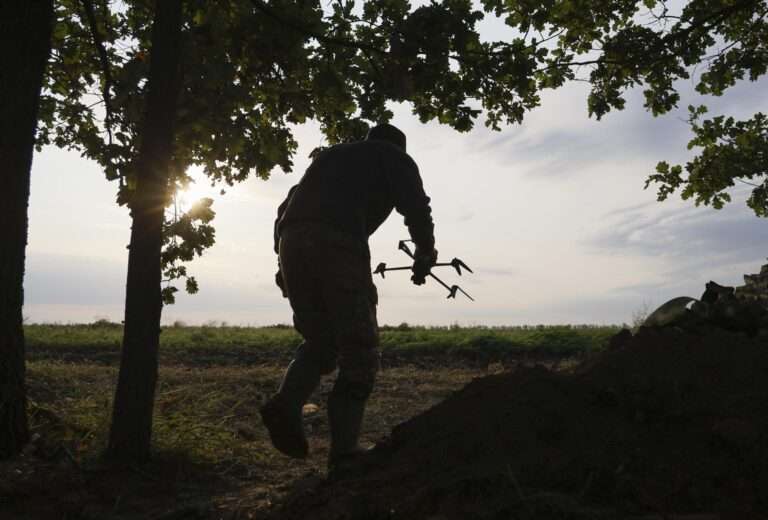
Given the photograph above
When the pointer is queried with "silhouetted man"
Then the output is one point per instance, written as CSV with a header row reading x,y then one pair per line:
x,y
321,237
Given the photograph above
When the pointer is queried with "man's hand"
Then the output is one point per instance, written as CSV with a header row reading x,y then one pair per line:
x,y
281,283
422,263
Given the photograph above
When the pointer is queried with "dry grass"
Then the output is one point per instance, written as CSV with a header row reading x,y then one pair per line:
x,y
212,452
208,417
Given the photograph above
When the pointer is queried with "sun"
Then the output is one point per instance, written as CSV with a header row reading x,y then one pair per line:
x,y
198,188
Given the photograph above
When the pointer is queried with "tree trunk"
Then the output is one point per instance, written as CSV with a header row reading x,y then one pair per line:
x,y
130,434
25,40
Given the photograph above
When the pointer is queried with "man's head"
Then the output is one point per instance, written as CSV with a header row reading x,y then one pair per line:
x,y
388,133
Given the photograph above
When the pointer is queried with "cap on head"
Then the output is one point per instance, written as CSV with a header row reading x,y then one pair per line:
x,y
388,133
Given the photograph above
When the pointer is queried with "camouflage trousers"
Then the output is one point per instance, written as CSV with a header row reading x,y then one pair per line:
x,y
327,276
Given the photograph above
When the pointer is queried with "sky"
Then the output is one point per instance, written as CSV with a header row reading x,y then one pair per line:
x,y
551,215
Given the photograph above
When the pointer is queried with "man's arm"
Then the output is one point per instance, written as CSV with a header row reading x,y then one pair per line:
x,y
276,233
280,211
412,202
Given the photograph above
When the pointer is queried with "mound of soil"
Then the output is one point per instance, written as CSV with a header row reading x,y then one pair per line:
x,y
665,422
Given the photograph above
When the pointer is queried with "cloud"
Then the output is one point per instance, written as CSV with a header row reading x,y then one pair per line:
x,y
732,233
695,244
85,288
559,139
500,272
574,144
73,280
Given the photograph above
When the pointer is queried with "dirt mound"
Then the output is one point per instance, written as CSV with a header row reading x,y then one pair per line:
x,y
665,422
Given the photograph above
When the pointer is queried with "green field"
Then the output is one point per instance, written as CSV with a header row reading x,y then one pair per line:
x,y
225,345
212,381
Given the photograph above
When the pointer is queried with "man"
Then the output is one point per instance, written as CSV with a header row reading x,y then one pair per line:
x,y
321,237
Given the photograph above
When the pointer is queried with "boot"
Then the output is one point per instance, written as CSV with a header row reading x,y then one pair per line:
x,y
346,408
281,414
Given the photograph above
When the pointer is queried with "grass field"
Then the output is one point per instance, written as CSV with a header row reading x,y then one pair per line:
x,y
99,343
212,381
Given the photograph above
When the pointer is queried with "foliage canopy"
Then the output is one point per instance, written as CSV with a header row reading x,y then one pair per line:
x,y
252,70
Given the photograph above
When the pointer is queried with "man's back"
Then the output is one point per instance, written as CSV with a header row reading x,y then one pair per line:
x,y
354,187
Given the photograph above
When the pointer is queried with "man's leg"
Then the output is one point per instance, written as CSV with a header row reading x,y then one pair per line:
x,y
350,299
346,407
282,414
315,357
356,340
